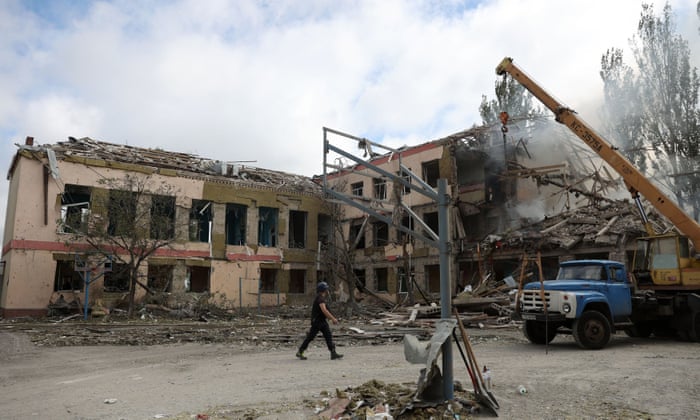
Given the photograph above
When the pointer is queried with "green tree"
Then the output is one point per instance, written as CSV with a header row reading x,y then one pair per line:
x,y
662,99
622,118
512,98
130,219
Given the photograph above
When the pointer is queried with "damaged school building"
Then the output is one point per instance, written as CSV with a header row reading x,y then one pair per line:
x,y
248,235
251,237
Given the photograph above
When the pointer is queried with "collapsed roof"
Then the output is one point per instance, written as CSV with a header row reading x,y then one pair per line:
x,y
86,150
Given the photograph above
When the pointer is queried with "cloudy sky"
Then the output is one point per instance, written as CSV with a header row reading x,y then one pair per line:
x,y
242,80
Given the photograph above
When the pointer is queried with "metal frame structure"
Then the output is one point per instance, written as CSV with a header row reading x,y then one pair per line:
x,y
439,240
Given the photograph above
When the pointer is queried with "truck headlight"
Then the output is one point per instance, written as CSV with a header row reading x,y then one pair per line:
x,y
566,307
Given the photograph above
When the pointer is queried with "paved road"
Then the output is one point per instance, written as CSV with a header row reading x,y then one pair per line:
x,y
632,378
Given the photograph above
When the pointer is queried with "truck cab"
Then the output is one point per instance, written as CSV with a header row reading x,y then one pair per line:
x,y
587,299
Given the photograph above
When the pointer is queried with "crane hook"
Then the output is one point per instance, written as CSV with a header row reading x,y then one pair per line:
x,y
504,120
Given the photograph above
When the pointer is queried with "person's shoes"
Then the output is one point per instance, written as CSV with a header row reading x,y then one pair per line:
x,y
336,356
300,354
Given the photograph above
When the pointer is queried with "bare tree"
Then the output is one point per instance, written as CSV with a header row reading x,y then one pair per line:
x,y
341,249
130,219
338,255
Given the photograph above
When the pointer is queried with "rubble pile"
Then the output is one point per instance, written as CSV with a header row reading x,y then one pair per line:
x,y
262,330
372,400
378,400
608,223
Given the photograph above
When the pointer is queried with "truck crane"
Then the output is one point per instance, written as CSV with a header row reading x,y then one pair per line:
x,y
665,270
656,252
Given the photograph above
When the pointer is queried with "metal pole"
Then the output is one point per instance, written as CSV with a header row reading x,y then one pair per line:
x,y
240,292
445,287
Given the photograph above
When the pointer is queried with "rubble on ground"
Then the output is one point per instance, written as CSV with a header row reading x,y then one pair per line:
x,y
270,329
378,400
263,328
372,400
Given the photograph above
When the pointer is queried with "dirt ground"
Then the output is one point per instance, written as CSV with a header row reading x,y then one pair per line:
x,y
246,369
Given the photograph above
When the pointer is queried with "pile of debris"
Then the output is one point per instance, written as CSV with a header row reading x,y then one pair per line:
x,y
267,329
609,223
378,400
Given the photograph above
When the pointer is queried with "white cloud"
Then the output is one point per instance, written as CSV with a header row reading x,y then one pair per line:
x,y
248,80
54,114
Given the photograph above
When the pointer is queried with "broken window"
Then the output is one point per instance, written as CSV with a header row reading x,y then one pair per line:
x,y
66,277
121,213
162,217
198,279
403,280
404,237
236,224
297,281
357,235
268,280
431,172
432,278
297,229
75,208
160,277
325,229
379,188
407,178
470,168
479,225
117,280
431,220
200,220
381,233
357,188
381,275
360,278
267,226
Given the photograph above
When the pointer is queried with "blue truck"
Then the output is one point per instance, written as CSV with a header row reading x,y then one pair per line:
x,y
592,299
589,298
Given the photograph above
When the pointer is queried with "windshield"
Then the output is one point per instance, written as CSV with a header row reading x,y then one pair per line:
x,y
582,272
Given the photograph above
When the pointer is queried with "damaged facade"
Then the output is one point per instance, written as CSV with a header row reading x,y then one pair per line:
x,y
512,199
250,236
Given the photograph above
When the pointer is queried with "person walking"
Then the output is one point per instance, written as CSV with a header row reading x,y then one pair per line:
x,y
320,314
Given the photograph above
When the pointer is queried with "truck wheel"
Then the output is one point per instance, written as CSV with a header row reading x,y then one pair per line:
x,y
592,330
537,332
695,328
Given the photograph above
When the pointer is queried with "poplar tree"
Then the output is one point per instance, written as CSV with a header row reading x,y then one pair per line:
x,y
652,109
511,97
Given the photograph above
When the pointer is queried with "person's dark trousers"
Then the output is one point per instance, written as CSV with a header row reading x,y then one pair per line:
x,y
325,329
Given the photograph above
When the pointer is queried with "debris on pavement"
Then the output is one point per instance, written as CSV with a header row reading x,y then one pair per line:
x,y
378,400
